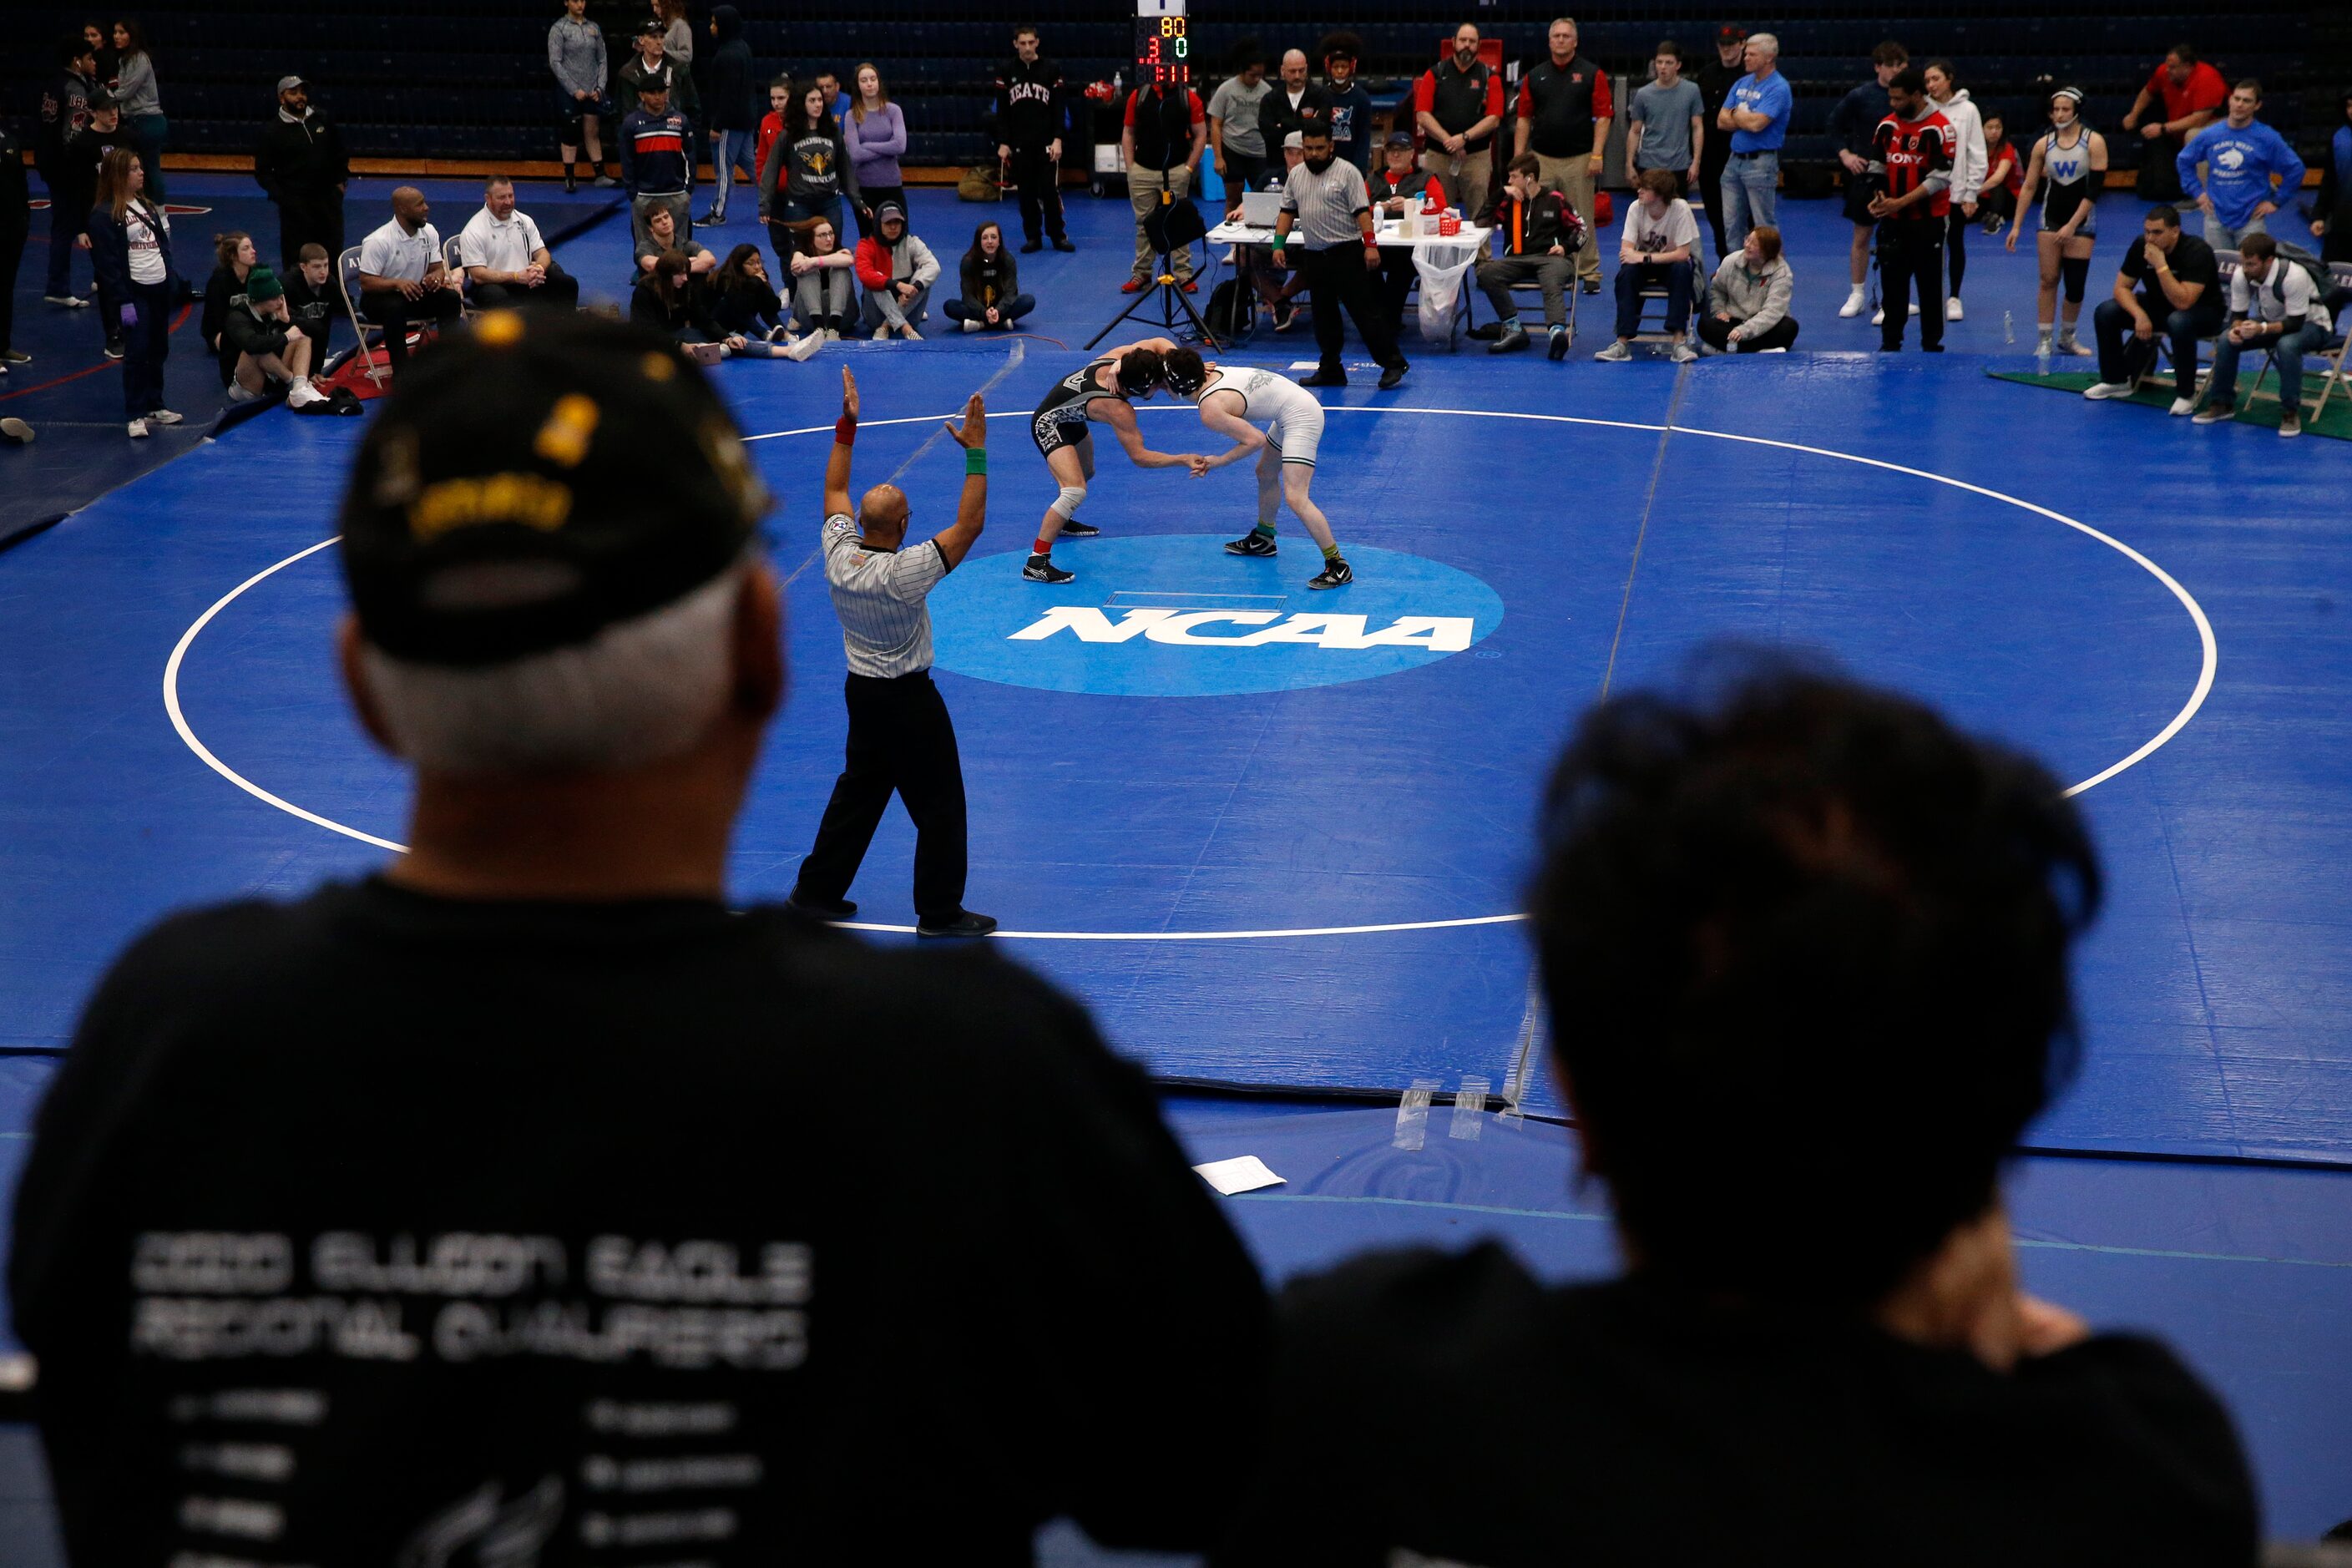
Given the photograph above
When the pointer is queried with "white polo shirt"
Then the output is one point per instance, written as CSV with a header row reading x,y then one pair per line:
x,y
505,247
392,252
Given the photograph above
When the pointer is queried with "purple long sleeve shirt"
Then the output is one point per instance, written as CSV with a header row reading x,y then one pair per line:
x,y
875,145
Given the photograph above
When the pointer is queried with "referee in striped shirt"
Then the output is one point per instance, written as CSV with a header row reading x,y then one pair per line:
x,y
900,737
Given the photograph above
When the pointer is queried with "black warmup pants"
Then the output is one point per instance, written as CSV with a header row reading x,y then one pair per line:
x,y
1955,245
1911,254
900,739
148,343
15,228
310,219
1718,334
68,217
1039,180
393,310
1713,160
1339,278
1397,273
2121,356
558,289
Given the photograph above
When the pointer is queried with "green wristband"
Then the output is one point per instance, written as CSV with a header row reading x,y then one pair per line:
x,y
975,462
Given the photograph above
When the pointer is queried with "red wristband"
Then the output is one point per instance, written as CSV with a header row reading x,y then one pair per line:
x,y
844,431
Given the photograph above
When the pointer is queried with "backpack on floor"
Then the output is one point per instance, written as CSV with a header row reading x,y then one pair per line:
x,y
1232,309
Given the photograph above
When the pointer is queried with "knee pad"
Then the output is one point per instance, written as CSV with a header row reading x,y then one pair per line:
x,y
1066,505
2077,271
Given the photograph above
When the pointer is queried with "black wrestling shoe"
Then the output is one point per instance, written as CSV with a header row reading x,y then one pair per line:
x,y
965,924
821,909
1041,569
1336,573
1073,529
1251,544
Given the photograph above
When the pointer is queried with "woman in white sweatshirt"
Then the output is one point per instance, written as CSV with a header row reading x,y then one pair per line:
x,y
1951,101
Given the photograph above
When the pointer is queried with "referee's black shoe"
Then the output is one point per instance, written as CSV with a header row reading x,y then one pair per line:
x,y
821,909
1041,569
1073,529
965,924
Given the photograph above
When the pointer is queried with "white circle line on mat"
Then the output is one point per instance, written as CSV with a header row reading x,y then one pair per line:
x,y
2211,662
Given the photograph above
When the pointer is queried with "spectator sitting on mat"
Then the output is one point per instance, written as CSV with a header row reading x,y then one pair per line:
x,y
1747,301
2274,308
1854,123
1655,249
234,259
1535,234
1346,100
2178,293
897,271
506,260
2191,95
746,306
403,278
1399,186
662,235
2005,176
825,281
302,165
669,301
2241,157
1236,139
991,284
271,351
1805,947
311,300
435,1084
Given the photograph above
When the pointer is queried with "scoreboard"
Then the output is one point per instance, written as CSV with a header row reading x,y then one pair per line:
x,y
1163,49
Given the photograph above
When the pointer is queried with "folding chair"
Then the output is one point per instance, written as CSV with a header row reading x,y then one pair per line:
x,y
347,269
1645,333
2160,349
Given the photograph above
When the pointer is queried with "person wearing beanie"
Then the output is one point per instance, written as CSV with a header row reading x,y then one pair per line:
x,y
897,270
271,351
444,1210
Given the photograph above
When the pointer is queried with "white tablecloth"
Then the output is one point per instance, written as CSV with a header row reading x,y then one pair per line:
x,y
1471,237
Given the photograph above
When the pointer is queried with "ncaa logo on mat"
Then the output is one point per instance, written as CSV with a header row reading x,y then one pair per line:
x,y
1177,616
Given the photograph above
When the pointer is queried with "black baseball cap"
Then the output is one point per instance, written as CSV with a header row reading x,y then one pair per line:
x,y
536,481
1400,139
1731,33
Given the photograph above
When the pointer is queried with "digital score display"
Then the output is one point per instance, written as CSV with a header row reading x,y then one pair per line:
x,y
1163,49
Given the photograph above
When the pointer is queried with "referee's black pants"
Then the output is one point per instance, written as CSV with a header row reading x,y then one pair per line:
x,y
1911,254
1338,276
901,739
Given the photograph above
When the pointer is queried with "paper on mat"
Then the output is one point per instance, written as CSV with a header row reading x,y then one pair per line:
x,y
1245,1174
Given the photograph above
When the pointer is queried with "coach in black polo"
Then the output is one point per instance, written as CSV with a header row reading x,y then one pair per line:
x,y
1564,110
900,738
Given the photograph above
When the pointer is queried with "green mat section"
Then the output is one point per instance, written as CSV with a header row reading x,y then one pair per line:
x,y
2157,392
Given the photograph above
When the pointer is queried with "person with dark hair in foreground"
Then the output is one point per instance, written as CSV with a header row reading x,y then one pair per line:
x,y
486,1208
1806,946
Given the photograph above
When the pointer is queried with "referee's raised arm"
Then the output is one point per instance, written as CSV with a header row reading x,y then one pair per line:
x,y
971,510
837,467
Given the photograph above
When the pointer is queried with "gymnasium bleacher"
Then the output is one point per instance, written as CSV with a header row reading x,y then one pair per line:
x,y
414,79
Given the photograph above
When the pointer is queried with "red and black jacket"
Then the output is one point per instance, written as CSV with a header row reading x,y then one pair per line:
x,y
1532,228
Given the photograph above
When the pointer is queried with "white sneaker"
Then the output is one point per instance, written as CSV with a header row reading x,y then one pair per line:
x,y
881,334
969,325
2100,391
16,430
909,333
2070,344
162,417
70,302
1682,354
2183,406
301,394
833,334
1878,317
1952,311
1616,353
237,393
800,349
1853,303
138,427
1915,307
2290,425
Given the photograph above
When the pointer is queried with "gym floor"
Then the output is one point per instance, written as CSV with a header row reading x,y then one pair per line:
x,y
1286,875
